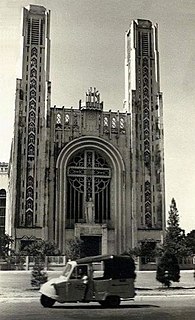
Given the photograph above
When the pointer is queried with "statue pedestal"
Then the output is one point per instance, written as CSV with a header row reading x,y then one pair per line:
x,y
90,230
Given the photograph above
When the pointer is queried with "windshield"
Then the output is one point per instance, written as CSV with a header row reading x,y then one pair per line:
x,y
67,269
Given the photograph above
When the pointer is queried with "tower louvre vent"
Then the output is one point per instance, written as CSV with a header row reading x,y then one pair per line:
x,y
41,33
144,44
28,33
35,32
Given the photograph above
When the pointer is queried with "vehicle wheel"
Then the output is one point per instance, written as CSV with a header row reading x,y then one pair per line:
x,y
46,301
110,302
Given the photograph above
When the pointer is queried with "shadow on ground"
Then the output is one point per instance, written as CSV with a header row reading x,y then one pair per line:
x,y
164,288
133,306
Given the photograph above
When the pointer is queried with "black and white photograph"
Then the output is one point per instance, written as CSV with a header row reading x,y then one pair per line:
x,y
97,159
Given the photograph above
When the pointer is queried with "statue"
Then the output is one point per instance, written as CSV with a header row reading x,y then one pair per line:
x,y
89,211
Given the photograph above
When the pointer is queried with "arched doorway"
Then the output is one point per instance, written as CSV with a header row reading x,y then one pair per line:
x,y
90,177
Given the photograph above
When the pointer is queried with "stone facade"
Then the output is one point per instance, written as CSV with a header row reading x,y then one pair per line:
x,y
86,172
4,216
144,101
28,150
90,153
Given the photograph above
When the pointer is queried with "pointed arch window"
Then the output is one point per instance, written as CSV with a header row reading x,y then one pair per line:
x,y
58,120
67,119
114,123
31,127
88,181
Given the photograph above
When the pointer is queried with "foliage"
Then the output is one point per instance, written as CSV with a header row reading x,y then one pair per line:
x,y
190,242
5,245
74,248
38,275
41,248
168,269
147,250
175,242
15,260
173,248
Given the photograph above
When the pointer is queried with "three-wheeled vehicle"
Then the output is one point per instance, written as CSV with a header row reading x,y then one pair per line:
x,y
105,279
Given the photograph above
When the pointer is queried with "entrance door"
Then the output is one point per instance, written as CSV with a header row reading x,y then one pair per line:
x,y
75,288
91,246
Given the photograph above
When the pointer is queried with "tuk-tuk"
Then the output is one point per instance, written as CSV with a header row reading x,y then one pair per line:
x,y
105,279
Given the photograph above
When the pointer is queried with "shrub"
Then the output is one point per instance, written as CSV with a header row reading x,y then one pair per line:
x,y
168,269
38,275
74,249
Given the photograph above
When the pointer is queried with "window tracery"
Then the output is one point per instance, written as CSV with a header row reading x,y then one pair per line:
x,y
114,123
67,119
122,123
88,179
58,119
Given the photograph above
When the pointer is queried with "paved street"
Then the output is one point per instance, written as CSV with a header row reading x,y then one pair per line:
x,y
159,308
18,301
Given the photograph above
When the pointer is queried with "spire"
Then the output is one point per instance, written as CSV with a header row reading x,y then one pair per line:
x,y
92,100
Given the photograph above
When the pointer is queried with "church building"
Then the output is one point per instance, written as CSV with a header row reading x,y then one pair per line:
x,y
83,171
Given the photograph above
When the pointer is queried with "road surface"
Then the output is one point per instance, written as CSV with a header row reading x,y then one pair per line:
x,y
159,308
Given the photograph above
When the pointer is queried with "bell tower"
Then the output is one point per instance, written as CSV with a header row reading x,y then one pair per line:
x,y
32,99
144,101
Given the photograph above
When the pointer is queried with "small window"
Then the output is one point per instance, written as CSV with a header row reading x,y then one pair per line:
x,y
30,181
31,150
113,123
105,121
31,117
122,123
29,192
29,204
79,272
67,119
34,62
58,118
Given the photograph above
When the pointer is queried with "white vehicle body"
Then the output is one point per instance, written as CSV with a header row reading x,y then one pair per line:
x,y
82,282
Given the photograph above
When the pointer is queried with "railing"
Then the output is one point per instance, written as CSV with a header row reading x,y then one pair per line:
x,y
27,263
145,264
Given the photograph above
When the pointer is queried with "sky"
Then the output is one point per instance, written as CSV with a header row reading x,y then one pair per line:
x,y
87,49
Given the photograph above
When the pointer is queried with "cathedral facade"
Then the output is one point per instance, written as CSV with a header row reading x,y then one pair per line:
x,y
86,172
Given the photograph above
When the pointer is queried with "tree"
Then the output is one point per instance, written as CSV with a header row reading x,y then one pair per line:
x,y
173,248
174,242
147,250
38,274
5,245
168,269
39,249
74,248
190,242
